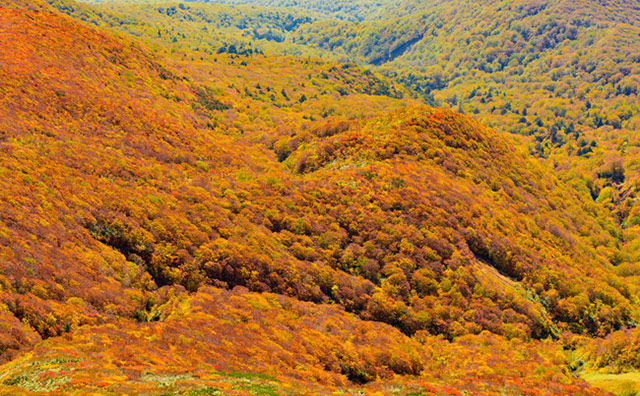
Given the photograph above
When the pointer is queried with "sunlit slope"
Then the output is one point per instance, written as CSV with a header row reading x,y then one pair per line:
x,y
96,132
562,72
121,175
135,189
238,343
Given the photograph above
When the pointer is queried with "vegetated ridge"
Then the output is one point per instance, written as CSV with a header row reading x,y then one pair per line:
x,y
274,224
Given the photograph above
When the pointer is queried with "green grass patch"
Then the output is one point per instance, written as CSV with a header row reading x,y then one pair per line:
x,y
260,389
243,375
205,392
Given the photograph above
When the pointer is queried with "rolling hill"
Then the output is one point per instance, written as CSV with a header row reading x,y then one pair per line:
x,y
224,223
562,73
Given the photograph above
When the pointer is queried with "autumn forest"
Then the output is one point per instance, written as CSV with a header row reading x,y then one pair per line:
x,y
283,197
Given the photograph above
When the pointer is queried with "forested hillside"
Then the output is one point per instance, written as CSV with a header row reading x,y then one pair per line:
x,y
563,73
182,221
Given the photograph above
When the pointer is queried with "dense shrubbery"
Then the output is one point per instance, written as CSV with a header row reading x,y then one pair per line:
x,y
131,185
562,73
384,215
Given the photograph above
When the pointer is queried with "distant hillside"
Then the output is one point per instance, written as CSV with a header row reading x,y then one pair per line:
x,y
356,10
563,73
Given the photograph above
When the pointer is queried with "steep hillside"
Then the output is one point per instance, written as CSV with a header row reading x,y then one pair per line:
x,y
562,72
95,132
173,225
213,342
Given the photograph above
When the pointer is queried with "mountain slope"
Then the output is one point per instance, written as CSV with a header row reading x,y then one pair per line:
x,y
563,73
214,341
135,189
